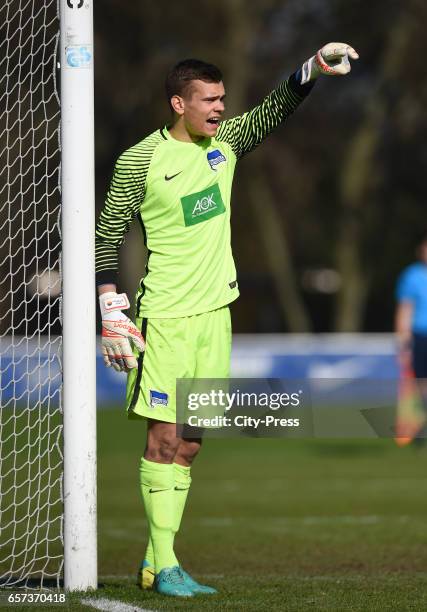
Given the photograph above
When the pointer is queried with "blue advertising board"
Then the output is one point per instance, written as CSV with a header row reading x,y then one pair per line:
x,y
33,373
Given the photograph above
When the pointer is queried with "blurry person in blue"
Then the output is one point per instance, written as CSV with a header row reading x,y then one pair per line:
x,y
411,330
411,313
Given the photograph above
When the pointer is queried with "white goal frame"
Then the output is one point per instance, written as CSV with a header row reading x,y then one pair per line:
x,y
78,299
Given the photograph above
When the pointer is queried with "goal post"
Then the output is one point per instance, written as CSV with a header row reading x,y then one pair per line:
x,y
78,303
47,300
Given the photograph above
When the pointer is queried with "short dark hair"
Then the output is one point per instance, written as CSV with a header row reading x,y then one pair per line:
x,y
181,75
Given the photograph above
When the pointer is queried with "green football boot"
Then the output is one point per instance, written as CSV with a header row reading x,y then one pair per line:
x,y
198,589
170,581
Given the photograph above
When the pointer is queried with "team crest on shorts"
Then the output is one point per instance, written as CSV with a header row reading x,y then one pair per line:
x,y
158,399
215,158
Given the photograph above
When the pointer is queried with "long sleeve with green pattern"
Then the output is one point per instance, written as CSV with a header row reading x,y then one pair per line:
x,y
181,194
122,206
247,131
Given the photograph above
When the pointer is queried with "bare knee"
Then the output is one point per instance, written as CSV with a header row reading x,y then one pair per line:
x,y
187,451
162,443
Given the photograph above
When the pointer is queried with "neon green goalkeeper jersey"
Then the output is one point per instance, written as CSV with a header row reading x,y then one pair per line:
x,y
181,193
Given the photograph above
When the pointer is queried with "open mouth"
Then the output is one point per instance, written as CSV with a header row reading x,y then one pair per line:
x,y
214,121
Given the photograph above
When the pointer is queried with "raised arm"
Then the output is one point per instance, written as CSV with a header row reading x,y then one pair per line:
x,y
245,132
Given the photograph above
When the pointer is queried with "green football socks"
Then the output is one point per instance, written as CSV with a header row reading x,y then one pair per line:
x,y
182,485
157,486
182,482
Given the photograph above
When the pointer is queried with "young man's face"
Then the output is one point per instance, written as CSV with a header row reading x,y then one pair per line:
x,y
202,107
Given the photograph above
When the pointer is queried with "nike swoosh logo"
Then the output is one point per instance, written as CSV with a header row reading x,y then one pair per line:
x,y
169,178
157,490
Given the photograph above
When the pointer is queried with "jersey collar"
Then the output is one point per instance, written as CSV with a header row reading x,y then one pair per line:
x,y
204,143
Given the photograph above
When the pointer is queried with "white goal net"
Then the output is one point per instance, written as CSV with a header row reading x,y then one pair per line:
x,y
31,505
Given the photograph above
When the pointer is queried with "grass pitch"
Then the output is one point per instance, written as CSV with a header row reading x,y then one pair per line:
x,y
275,524
287,525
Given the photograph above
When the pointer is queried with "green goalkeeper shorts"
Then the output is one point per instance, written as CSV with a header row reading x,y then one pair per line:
x,y
188,347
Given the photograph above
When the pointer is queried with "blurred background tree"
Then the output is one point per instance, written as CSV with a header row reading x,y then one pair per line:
x,y
326,211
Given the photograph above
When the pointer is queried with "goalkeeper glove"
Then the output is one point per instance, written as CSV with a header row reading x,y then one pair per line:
x,y
332,59
117,331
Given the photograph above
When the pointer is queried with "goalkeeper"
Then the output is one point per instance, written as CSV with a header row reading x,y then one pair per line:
x,y
177,183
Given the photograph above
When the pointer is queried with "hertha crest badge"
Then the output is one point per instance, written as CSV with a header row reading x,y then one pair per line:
x,y
158,399
215,158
